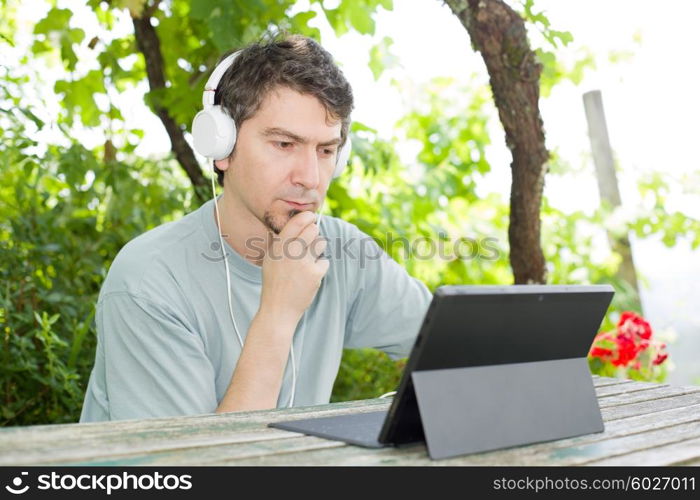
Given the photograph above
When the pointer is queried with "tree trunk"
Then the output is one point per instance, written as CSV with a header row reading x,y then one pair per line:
x,y
499,34
149,45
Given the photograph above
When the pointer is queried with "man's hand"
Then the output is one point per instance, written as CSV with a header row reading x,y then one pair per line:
x,y
293,266
292,274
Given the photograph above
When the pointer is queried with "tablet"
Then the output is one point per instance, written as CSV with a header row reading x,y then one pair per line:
x,y
473,340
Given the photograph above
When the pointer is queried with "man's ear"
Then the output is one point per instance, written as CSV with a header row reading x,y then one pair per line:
x,y
223,164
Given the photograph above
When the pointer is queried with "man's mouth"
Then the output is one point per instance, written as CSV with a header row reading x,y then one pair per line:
x,y
299,206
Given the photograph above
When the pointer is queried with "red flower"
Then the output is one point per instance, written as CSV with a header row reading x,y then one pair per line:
x,y
622,347
627,349
660,358
601,352
631,322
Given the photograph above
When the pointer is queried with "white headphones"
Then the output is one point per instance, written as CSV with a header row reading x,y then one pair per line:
x,y
214,131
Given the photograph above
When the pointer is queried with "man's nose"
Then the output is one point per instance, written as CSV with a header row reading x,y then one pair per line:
x,y
306,169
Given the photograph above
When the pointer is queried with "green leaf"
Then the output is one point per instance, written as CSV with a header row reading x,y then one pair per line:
x,y
337,21
203,9
29,114
303,18
55,20
381,58
78,96
361,19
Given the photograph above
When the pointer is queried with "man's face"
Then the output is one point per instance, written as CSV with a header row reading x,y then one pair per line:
x,y
284,153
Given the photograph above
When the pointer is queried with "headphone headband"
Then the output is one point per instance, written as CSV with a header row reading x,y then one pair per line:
x,y
215,77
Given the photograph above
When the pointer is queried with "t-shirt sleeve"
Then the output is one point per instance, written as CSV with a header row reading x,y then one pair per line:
x,y
388,304
148,363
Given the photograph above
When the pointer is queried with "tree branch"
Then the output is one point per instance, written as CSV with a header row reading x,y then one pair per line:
x,y
149,45
151,10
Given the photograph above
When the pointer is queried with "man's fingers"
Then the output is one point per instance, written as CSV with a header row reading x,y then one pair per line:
x,y
309,234
297,224
300,248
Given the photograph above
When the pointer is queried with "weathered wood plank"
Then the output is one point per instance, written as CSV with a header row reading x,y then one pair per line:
x,y
251,426
645,395
81,442
605,381
217,454
249,451
673,454
119,427
248,428
174,428
417,455
629,408
653,406
611,390
675,436
524,455
10,435
85,450
412,455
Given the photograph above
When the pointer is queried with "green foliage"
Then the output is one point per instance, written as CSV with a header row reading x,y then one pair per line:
x,y
354,14
192,36
539,21
366,374
657,219
398,210
548,43
554,71
381,58
64,215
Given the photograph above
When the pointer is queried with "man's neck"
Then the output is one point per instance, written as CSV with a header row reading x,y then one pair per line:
x,y
239,226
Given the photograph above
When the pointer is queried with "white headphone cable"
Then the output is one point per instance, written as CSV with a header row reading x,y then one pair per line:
x,y
228,284
223,254
228,291
294,369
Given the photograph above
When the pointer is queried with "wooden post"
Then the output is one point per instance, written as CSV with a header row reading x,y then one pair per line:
x,y
607,180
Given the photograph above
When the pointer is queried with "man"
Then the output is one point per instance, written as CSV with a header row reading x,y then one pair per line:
x,y
167,344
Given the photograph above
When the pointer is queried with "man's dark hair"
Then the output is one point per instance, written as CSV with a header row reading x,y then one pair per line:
x,y
292,61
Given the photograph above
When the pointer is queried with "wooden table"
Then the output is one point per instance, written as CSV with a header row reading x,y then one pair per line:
x,y
645,424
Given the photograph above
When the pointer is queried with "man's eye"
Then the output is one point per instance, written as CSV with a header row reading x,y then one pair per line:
x,y
328,152
285,145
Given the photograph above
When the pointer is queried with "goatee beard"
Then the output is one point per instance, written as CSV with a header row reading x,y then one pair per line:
x,y
269,221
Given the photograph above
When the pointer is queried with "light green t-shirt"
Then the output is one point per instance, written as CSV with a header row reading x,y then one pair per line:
x,y
165,342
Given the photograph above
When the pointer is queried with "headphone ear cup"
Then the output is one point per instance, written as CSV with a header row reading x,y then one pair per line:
x,y
342,158
214,133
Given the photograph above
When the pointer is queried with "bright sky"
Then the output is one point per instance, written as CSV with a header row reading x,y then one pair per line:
x,y
651,102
